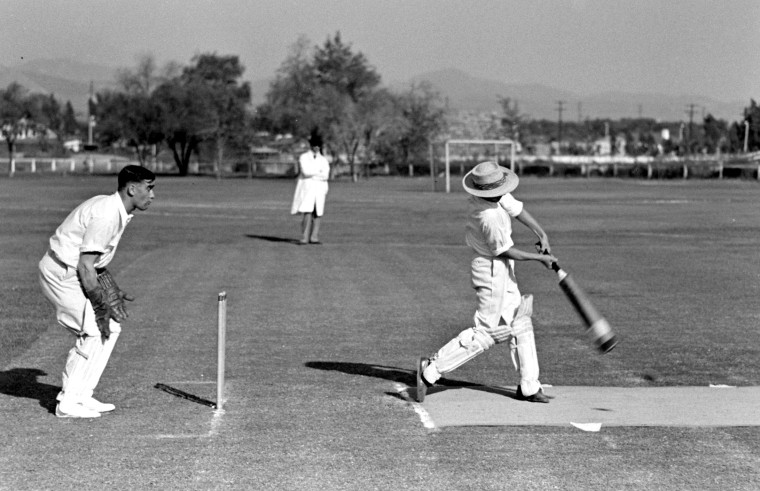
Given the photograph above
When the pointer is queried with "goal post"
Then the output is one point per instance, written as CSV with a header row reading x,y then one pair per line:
x,y
495,143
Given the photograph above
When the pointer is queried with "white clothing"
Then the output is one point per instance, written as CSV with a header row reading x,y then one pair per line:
x,y
94,226
489,233
489,228
311,188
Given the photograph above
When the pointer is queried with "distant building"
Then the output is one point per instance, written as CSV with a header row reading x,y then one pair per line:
x,y
73,145
602,147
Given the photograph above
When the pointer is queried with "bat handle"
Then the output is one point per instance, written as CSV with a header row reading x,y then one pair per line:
x,y
555,265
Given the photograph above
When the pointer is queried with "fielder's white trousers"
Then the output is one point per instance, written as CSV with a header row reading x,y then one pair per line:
x,y
498,298
88,358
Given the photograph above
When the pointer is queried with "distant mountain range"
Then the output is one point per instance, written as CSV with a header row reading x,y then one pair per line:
x,y
542,102
70,81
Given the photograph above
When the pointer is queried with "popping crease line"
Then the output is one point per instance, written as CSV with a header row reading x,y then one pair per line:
x,y
425,418
216,421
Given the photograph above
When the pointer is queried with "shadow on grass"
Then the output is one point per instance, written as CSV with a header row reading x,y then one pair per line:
x,y
405,376
22,382
184,395
273,238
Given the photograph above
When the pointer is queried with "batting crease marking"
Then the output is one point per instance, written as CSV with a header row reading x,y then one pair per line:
x,y
425,418
216,421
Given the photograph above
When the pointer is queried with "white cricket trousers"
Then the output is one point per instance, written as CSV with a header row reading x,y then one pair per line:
x,y
88,358
498,299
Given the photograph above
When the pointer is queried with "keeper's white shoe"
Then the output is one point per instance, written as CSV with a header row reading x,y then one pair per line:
x,y
74,410
96,405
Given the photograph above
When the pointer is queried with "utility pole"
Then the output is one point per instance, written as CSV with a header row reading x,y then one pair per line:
x,y
746,136
560,108
90,116
580,112
690,112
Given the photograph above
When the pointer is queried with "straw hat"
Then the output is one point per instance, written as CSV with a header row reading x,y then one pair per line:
x,y
489,180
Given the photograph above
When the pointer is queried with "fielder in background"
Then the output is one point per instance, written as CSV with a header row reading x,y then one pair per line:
x,y
502,313
87,301
311,189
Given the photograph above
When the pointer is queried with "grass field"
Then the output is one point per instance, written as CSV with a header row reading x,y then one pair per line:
x,y
320,338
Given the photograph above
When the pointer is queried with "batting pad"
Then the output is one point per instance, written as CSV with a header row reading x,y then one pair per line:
x,y
606,406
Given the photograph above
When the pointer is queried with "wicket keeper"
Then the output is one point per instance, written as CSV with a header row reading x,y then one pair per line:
x,y
87,301
502,313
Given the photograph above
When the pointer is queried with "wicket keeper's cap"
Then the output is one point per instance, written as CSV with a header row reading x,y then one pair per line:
x,y
489,180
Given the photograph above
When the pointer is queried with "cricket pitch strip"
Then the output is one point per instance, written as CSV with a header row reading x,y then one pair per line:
x,y
591,408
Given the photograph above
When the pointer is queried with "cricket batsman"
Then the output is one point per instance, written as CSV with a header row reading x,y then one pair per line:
x,y
502,314
87,301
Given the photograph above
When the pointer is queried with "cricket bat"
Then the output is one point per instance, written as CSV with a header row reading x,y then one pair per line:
x,y
597,328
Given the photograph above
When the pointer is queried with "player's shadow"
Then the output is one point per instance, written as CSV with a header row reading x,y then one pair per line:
x,y
401,375
22,382
273,238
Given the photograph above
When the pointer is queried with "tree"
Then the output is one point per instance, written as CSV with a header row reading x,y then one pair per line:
x,y
346,86
511,118
183,113
715,134
129,118
337,66
129,115
423,111
331,89
751,118
383,121
70,126
290,105
13,114
44,113
217,79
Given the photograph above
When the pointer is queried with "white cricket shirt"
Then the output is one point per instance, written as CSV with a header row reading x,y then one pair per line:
x,y
94,226
489,224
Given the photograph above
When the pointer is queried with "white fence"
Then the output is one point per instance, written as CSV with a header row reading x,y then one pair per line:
x,y
65,165
616,164
585,165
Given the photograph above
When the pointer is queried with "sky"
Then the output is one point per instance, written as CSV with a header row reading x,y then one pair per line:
x,y
673,47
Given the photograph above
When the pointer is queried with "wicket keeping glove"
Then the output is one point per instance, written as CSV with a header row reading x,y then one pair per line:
x,y
102,310
115,297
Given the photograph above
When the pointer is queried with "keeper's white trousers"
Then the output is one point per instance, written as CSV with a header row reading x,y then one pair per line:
x,y
88,358
498,299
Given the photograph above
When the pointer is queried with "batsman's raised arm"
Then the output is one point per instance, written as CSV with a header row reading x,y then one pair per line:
x,y
527,219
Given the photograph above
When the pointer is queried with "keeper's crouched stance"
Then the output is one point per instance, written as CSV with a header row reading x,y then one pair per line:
x,y
87,300
502,314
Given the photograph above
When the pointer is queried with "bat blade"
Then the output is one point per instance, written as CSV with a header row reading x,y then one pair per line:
x,y
598,329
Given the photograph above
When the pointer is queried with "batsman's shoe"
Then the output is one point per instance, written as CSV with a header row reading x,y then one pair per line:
x,y
422,384
537,397
74,410
96,405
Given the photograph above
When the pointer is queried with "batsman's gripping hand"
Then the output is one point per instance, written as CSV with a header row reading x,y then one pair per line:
x,y
114,296
102,310
549,260
543,247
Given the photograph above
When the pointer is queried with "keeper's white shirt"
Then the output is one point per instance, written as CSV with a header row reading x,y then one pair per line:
x,y
94,226
489,224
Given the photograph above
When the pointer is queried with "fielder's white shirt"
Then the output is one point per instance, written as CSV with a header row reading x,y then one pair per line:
x,y
314,166
94,226
489,224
